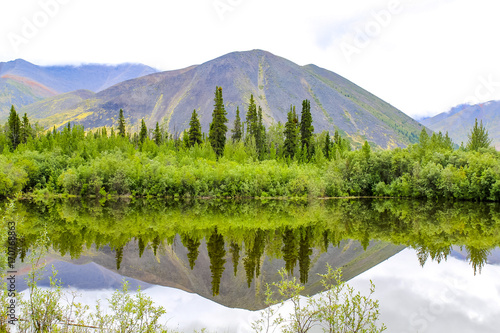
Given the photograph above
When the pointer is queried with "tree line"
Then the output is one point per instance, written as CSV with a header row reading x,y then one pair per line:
x,y
249,160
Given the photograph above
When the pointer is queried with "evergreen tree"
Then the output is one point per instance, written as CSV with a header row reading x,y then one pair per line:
x,y
121,125
157,135
291,134
216,253
478,137
218,127
327,146
306,129
305,251
252,118
237,131
14,128
260,135
289,250
26,130
143,134
234,249
194,130
192,246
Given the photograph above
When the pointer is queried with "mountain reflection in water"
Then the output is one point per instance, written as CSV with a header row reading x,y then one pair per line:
x,y
226,250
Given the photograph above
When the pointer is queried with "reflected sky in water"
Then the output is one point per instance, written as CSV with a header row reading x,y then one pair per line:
x,y
444,297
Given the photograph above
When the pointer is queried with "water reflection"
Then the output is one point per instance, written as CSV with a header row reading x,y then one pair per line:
x,y
257,236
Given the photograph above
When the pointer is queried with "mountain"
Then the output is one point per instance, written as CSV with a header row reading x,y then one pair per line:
x,y
276,83
23,83
459,121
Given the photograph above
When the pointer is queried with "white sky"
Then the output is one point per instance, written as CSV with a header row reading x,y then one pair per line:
x,y
422,56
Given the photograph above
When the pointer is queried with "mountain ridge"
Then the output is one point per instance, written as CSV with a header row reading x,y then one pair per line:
x,y
459,120
23,83
276,83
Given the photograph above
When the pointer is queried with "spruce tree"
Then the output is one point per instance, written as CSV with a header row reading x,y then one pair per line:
x,y
237,131
194,130
327,146
306,129
291,134
157,135
478,137
14,128
218,127
143,134
26,131
252,118
121,125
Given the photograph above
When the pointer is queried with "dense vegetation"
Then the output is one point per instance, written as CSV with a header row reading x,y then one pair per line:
x,y
281,160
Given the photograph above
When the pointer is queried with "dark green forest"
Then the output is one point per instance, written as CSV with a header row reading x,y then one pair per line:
x,y
242,159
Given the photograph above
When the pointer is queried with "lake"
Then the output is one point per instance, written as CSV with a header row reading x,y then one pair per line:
x,y
429,260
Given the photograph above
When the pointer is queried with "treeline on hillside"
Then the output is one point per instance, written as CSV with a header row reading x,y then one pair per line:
x,y
281,160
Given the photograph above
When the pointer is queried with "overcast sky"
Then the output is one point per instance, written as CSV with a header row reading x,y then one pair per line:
x,y
422,56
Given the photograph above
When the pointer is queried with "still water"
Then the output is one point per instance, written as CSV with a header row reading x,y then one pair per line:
x,y
433,263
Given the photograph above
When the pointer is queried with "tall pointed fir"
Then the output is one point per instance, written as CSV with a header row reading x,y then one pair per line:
x,y
251,118
306,130
260,135
143,134
291,134
25,131
328,145
121,124
157,135
14,128
218,127
237,132
194,130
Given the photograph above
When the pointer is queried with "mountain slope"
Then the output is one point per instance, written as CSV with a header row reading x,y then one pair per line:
x,y
459,121
23,83
276,83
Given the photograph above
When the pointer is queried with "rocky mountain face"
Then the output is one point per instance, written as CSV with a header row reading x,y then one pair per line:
x,y
170,97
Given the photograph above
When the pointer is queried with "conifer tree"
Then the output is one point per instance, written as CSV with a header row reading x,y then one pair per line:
x,y
218,127
26,130
157,135
291,134
194,130
143,134
306,129
327,146
252,118
121,125
478,137
237,131
14,128
260,135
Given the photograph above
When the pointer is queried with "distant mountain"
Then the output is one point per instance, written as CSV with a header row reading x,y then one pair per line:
x,y
23,83
276,83
459,121
54,107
